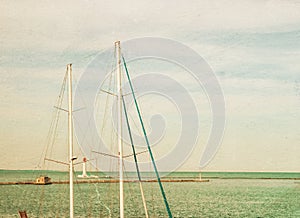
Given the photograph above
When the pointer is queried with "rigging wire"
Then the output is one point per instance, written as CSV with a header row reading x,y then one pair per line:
x,y
112,71
50,139
147,142
52,133
135,159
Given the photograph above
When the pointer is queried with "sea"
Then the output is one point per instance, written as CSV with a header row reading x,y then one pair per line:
x,y
226,194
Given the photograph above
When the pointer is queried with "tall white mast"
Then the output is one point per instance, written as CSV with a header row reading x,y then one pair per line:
x,y
70,130
119,81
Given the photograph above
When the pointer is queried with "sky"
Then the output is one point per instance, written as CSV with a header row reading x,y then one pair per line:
x,y
253,48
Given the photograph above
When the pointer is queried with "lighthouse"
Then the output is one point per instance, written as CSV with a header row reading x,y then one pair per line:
x,y
84,175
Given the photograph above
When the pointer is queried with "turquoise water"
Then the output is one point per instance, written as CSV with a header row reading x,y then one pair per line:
x,y
218,198
23,175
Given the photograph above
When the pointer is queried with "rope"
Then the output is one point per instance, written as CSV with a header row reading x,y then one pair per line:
x,y
107,97
50,140
147,142
135,160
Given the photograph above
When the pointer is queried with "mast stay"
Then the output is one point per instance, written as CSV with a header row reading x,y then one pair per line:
x,y
147,141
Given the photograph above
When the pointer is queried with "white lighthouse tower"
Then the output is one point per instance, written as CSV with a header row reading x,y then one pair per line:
x,y
84,174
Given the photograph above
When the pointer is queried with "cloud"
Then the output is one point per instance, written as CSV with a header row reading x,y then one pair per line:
x,y
252,45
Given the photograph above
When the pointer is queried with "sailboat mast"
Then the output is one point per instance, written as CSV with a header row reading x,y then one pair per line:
x,y
70,131
119,81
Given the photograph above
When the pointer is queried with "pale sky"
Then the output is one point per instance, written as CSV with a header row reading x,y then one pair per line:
x,y
252,46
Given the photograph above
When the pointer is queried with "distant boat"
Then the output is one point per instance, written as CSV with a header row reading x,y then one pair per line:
x,y
43,180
